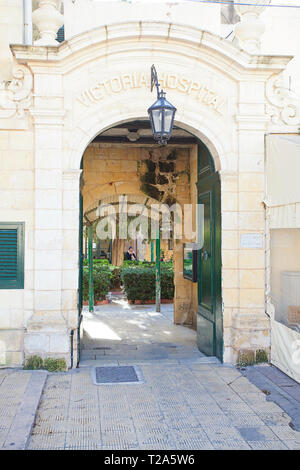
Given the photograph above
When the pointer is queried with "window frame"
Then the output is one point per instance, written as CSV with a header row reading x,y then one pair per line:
x,y
17,283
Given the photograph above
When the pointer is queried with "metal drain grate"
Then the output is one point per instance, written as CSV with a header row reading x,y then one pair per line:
x,y
116,375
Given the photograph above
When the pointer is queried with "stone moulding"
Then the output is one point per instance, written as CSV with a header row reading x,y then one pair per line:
x,y
16,95
135,33
283,106
125,38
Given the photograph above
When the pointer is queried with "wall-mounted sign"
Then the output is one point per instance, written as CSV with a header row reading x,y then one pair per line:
x,y
190,255
201,91
251,240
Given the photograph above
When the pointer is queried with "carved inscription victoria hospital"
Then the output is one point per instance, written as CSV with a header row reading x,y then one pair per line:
x,y
118,83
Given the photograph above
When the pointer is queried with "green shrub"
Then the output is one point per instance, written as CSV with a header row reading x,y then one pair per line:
x,y
34,363
115,280
139,282
55,365
96,262
261,356
50,364
167,283
102,279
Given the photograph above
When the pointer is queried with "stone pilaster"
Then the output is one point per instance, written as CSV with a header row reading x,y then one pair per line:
x,y
47,331
246,326
70,234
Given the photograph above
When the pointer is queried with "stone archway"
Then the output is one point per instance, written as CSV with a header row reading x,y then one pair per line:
x,y
99,78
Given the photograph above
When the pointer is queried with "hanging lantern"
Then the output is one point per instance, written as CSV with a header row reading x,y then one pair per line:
x,y
161,113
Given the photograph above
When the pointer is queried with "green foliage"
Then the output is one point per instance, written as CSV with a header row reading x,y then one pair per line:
x,y
139,281
102,279
55,365
50,364
106,276
137,277
115,280
129,263
34,363
261,356
97,262
167,282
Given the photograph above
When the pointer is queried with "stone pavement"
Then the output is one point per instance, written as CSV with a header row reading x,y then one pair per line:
x,y
279,388
181,406
188,401
20,393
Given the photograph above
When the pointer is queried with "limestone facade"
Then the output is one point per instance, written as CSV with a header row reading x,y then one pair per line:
x,y
60,97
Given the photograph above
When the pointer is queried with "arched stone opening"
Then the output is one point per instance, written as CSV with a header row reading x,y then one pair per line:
x,y
107,162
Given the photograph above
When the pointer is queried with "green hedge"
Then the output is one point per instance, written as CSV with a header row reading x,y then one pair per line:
x,y
139,282
137,278
102,281
115,281
97,262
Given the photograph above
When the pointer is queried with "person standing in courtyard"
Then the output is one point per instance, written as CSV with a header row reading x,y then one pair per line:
x,y
130,254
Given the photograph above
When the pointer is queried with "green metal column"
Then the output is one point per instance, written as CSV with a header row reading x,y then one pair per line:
x,y
157,273
152,251
90,261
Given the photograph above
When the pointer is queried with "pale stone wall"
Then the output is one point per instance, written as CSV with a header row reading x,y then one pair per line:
x,y
11,32
16,205
16,190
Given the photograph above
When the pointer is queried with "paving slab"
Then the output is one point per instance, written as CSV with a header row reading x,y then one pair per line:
x,y
176,408
20,393
280,390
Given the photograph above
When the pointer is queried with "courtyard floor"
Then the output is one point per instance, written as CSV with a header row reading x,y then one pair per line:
x,y
119,332
187,401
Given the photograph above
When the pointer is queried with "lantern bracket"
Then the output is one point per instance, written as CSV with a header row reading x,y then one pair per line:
x,y
154,80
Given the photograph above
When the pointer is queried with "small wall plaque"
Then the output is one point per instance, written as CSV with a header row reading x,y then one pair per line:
x,y
251,240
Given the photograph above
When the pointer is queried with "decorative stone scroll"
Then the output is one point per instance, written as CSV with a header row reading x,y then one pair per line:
x,y
283,105
16,95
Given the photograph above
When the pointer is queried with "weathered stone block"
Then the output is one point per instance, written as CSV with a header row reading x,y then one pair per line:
x,y
36,343
59,343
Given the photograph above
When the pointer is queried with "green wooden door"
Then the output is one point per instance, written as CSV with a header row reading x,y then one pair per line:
x,y
80,272
209,315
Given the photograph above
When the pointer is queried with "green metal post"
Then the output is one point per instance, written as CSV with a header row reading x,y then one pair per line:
x,y
152,251
157,273
90,261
